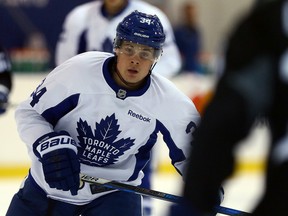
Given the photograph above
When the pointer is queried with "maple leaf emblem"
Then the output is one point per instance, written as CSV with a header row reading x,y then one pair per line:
x,y
100,148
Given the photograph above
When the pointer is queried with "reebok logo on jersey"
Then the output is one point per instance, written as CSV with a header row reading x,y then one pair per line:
x,y
138,116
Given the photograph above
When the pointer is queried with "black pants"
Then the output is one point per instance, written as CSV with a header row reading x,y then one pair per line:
x,y
32,201
275,197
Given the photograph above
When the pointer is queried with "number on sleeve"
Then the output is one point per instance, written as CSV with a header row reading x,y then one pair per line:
x,y
37,94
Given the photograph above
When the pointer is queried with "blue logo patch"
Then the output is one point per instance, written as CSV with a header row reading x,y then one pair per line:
x,y
101,148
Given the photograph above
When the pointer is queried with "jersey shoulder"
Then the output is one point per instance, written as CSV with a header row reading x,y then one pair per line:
x,y
84,61
83,8
168,89
173,103
81,70
80,13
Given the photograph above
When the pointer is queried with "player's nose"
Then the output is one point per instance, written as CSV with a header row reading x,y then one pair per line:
x,y
135,59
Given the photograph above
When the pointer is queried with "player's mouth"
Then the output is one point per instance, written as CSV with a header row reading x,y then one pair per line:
x,y
132,71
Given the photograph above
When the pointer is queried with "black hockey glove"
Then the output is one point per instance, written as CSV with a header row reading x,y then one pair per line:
x,y
3,102
61,167
186,208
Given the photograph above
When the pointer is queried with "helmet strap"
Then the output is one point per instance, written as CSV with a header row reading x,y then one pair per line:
x,y
152,67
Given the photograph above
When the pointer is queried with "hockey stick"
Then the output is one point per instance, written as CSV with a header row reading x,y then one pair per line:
x,y
151,193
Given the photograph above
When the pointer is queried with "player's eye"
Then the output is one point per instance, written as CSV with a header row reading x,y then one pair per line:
x,y
146,55
128,50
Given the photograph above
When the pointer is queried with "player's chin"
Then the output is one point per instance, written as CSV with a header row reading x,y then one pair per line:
x,y
134,82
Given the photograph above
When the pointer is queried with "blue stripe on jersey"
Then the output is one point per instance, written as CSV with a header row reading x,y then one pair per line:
x,y
143,155
175,153
82,44
53,114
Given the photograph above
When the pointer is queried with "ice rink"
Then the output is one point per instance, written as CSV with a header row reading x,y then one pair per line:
x,y
242,190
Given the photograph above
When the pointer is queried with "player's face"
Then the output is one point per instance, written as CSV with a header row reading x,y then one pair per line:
x,y
114,4
134,63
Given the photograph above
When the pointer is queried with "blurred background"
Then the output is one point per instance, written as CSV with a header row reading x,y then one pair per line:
x,y
29,32
30,28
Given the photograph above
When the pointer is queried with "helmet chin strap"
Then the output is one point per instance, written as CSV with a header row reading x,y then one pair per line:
x,y
152,67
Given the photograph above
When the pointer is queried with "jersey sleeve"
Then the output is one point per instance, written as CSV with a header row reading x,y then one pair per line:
x,y
178,120
185,127
74,26
50,101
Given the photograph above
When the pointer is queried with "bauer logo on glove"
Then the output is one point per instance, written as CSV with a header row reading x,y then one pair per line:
x,y
53,141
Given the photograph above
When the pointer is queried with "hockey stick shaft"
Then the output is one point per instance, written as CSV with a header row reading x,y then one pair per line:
x,y
151,193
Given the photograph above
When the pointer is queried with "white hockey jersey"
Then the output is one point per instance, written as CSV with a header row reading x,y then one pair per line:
x,y
114,128
88,26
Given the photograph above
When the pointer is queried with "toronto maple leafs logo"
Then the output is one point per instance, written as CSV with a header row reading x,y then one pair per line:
x,y
101,148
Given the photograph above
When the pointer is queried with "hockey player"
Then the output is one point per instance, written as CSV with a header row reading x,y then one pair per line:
x,y
92,26
99,114
5,80
254,84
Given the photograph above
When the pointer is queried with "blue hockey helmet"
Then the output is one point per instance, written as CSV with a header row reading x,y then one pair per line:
x,y
141,28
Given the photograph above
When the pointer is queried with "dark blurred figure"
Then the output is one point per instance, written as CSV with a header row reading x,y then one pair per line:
x,y
5,79
254,84
188,39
